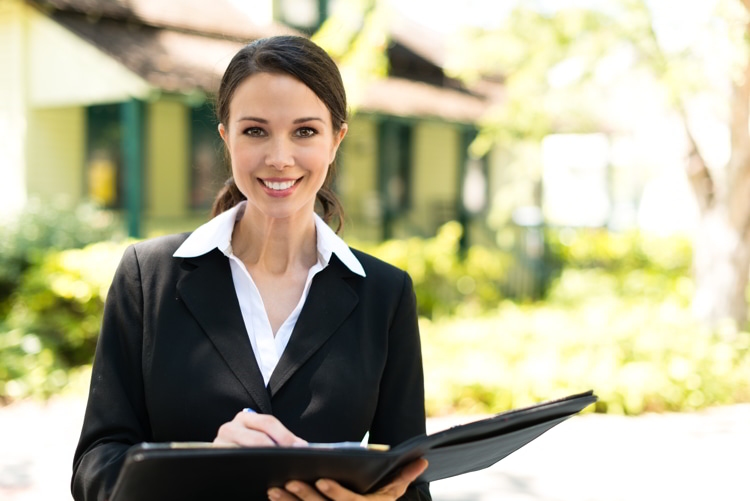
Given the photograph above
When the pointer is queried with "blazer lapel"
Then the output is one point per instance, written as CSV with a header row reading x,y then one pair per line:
x,y
208,292
328,303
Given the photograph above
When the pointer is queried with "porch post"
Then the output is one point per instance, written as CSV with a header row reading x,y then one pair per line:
x,y
132,147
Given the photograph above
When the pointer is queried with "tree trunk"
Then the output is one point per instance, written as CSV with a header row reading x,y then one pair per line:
x,y
722,265
722,245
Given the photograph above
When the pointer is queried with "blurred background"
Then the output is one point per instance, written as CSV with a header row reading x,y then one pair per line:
x,y
566,181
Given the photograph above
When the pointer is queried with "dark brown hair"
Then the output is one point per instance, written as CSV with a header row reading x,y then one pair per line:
x,y
305,61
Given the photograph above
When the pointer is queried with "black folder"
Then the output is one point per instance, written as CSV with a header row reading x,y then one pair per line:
x,y
190,471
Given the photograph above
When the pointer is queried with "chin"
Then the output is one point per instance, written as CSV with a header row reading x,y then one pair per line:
x,y
285,212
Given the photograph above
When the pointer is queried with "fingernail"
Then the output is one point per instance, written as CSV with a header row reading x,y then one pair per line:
x,y
322,485
292,487
274,494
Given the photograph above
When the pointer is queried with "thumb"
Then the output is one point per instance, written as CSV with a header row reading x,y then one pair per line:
x,y
408,474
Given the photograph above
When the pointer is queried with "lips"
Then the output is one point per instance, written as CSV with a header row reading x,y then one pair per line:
x,y
277,187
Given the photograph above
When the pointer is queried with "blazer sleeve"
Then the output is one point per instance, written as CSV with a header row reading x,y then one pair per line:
x,y
116,415
400,412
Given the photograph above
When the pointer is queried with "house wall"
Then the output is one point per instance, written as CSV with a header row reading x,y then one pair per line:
x,y
434,181
357,178
12,106
167,164
55,149
433,184
50,74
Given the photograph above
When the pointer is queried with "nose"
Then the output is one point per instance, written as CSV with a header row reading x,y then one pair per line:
x,y
279,154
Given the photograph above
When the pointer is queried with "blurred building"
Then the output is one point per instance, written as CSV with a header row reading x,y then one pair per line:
x,y
110,101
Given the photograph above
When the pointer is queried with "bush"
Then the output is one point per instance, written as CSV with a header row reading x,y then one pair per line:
x,y
612,322
639,352
444,282
41,228
53,325
624,251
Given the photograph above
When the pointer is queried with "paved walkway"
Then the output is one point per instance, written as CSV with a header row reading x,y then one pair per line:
x,y
701,456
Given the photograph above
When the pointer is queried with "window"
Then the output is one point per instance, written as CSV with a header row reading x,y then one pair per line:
x,y
104,162
394,170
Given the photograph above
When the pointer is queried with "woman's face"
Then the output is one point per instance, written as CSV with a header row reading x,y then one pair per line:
x,y
281,142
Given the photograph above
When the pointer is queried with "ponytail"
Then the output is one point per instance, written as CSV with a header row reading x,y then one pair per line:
x,y
229,196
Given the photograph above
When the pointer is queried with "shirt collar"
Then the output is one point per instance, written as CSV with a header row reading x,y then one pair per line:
x,y
330,243
217,234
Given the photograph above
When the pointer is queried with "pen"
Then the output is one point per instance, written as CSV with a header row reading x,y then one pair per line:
x,y
348,445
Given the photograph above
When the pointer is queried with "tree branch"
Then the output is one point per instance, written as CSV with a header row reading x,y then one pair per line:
x,y
740,114
738,170
696,169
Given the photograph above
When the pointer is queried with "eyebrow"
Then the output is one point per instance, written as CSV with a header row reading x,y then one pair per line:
x,y
296,121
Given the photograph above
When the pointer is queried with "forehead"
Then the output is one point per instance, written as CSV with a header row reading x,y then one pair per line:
x,y
276,96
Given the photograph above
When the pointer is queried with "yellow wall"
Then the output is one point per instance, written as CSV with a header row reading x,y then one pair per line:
x,y
167,165
357,178
55,152
12,106
435,174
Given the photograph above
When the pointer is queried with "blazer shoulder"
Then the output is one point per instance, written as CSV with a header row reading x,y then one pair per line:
x,y
159,247
155,252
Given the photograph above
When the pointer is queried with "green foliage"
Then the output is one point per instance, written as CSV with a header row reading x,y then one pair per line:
x,y
447,283
41,228
526,50
596,330
54,322
617,320
632,250
444,282
355,35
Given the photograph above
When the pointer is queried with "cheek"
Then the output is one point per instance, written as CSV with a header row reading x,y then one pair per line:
x,y
317,158
243,158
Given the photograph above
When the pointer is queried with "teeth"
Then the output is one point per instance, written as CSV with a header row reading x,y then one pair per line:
x,y
279,186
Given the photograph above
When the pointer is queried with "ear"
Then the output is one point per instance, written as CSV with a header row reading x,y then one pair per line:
x,y
337,140
223,134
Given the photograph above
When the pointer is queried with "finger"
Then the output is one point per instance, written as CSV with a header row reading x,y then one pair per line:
x,y
393,490
277,494
406,476
414,469
334,490
233,433
271,426
304,491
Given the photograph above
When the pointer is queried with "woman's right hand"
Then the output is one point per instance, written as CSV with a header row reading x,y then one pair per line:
x,y
249,429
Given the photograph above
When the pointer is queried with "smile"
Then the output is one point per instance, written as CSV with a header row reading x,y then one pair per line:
x,y
279,186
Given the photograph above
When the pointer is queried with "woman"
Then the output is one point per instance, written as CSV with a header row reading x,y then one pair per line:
x,y
263,307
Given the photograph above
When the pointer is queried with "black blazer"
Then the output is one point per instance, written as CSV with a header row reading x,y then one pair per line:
x,y
174,361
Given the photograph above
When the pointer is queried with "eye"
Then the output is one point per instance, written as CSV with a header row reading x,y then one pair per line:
x,y
306,132
254,132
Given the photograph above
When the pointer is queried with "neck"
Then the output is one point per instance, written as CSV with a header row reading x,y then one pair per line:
x,y
275,244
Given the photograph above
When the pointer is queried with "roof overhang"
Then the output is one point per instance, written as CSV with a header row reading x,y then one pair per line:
x,y
401,97
64,70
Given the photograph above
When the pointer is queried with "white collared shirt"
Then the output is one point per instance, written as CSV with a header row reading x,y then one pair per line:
x,y
217,234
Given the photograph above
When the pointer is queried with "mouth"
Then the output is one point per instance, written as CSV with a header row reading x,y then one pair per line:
x,y
279,186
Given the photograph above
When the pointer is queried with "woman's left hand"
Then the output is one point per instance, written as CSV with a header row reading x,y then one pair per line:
x,y
326,489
